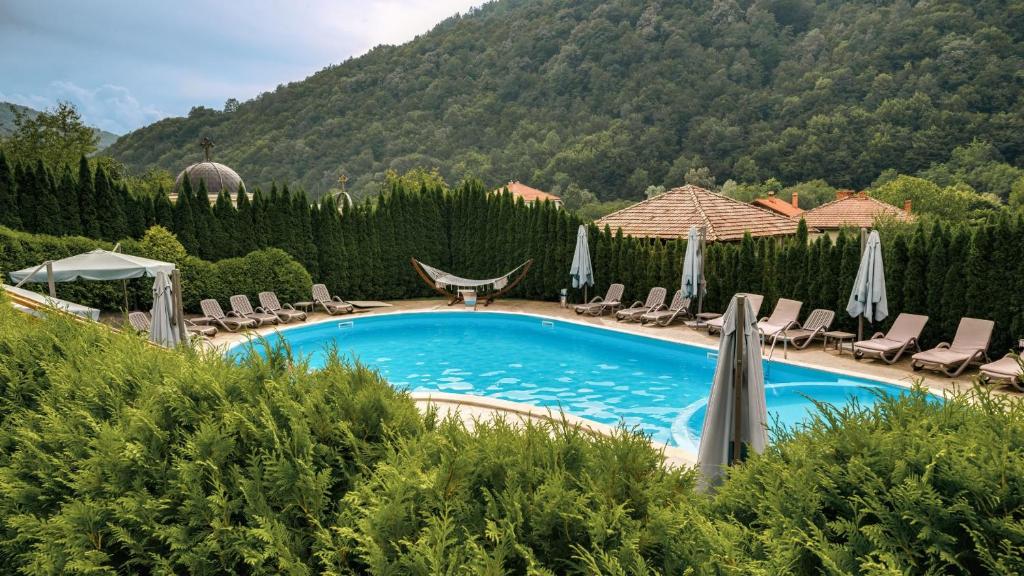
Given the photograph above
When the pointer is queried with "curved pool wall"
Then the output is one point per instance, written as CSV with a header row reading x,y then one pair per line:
x,y
603,375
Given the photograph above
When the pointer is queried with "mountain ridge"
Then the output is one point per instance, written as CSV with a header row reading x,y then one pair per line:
x,y
616,96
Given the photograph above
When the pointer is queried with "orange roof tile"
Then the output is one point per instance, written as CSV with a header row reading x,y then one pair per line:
x,y
670,215
779,206
529,194
853,210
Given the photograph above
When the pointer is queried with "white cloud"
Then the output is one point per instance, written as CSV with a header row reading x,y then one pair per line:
x,y
110,107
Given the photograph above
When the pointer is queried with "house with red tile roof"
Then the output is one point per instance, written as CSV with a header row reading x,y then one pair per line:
x,y
529,195
670,215
853,210
789,209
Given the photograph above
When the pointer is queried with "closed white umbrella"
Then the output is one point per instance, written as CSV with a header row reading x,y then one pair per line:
x,y
867,300
736,418
162,330
581,272
693,263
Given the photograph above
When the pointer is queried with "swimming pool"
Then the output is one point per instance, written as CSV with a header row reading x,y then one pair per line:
x,y
602,375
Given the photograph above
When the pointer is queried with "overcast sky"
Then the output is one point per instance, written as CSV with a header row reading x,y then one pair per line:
x,y
127,63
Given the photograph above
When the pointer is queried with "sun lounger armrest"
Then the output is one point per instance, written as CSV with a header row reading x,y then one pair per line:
x,y
877,335
596,299
287,307
337,299
943,345
636,304
261,310
233,314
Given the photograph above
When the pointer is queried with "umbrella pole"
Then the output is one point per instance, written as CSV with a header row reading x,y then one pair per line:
x,y
737,379
860,319
179,314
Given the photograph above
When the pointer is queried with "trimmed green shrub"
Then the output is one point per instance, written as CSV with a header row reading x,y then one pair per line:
x,y
117,457
908,486
268,269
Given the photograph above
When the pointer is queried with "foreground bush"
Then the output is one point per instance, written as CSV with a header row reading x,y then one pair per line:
x,y
117,458
120,458
906,486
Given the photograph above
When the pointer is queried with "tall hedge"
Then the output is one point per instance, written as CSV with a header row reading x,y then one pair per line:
x,y
362,251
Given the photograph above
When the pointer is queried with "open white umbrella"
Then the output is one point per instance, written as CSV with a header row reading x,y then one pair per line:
x,y
94,265
867,300
581,272
736,418
693,263
162,327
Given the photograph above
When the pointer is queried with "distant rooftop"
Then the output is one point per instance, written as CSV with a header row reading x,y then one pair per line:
x,y
670,215
529,194
779,206
855,210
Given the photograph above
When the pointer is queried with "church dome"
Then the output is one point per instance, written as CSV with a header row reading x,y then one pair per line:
x,y
216,176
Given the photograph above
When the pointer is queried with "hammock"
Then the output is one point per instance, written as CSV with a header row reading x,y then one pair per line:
x,y
449,285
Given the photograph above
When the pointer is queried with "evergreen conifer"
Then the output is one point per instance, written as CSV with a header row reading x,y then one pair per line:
x,y
8,195
87,209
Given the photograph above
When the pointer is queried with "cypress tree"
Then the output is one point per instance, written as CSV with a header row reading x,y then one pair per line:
x,y
71,220
111,216
184,225
915,280
47,207
244,234
811,285
826,275
746,271
163,211
87,210
8,195
938,261
205,225
895,268
978,271
260,220
222,227
849,263
28,207
137,210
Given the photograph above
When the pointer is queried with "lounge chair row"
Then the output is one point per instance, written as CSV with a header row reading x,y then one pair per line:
x,y
969,346
270,310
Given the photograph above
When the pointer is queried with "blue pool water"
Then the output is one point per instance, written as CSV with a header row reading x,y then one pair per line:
x,y
599,374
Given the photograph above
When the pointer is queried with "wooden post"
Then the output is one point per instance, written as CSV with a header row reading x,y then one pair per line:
x,y
738,377
860,319
49,279
179,312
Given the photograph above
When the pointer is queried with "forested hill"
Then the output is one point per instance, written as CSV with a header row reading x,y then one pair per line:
x,y
616,95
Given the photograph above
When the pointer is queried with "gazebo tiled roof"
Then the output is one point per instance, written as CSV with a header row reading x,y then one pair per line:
x,y
855,210
670,215
529,194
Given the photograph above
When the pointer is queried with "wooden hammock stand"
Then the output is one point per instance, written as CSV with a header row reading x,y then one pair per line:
x,y
457,297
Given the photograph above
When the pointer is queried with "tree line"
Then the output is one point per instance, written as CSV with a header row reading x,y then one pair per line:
x,y
362,250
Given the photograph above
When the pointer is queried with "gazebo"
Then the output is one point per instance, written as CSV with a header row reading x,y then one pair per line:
x,y
104,265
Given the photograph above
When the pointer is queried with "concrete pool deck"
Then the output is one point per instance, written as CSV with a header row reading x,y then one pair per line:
x,y
474,408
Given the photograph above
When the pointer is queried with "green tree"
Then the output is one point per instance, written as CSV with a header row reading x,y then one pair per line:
x,y
8,195
112,221
67,197
87,209
57,137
